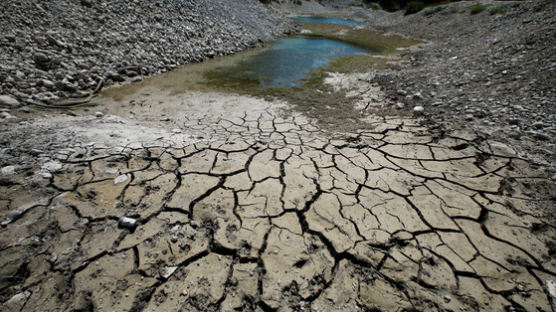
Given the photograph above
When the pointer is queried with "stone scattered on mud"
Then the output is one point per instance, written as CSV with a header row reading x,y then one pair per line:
x,y
12,216
128,223
121,179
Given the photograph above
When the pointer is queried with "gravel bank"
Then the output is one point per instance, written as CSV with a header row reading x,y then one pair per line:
x,y
56,49
493,73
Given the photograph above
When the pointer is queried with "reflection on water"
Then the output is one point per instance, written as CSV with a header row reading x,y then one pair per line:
x,y
285,62
327,20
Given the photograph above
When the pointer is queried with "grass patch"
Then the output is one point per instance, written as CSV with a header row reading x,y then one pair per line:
x,y
477,9
434,10
414,7
372,40
498,10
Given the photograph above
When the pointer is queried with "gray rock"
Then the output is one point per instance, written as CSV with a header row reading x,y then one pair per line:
x,y
52,166
17,302
47,83
418,109
8,170
541,136
538,125
12,216
7,100
513,121
65,86
402,93
6,115
41,58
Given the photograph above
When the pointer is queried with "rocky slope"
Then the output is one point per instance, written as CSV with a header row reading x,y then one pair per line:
x,y
55,49
493,73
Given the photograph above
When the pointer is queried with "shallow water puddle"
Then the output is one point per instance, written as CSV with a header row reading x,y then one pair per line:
x,y
291,62
292,69
285,62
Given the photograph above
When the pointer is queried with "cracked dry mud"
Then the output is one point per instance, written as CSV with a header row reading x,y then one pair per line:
x,y
267,212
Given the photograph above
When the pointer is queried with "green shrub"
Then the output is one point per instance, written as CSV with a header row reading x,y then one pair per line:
x,y
478,9
414,7
497,10
434,10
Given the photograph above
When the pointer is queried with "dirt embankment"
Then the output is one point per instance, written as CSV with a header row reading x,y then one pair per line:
x,y
55,49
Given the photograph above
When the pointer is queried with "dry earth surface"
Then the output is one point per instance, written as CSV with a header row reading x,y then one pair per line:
x,y
220,202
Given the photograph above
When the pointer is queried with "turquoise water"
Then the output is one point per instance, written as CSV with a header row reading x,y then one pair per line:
x,y
285,62
327,20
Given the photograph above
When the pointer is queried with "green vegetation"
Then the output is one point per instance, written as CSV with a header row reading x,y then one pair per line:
x,y
414,7
434,10
361,37
366,4
498,10
477,9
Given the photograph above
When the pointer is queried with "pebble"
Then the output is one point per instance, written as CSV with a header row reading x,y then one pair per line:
x,y
121,179
99,114
418,109
8,170
6,115
128,223
7,100
447,299
538,125
541,136
551,288
52,166
12,216
400,105
168,271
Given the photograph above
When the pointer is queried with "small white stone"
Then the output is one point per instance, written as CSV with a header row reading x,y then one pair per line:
x,y
52,166
418,109
120,179
551,287
127,222
168,271
99,114
400,105
45,174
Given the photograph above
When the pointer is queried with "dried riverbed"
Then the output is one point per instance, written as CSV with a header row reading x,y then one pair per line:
x,y
238,203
